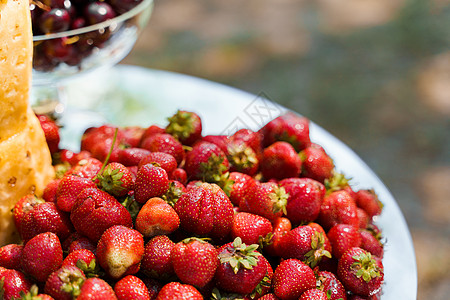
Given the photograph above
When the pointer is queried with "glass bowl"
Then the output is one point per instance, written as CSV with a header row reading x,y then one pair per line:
x,y
58,57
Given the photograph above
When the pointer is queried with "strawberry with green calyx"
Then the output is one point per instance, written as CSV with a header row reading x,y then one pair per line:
x,y
359,272
336,182
175,290
175,191
338,208
13,284
132,206
292,278
131,287
205,210
250,138
306,244
305,199
151,181
241,267
252,229
115,179
269,296
95,211
33,294
242,158
120,251
280,161
83,259
156,262
194,261
316,163
343,237
164,142
41,256
65,283
328,282
86,168
96,288
185,126
266,199
156,217
10,256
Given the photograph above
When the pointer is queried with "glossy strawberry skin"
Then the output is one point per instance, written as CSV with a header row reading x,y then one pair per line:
x,y
251,228
369,202
161,159
105,134
343,237
45,217
115,179
73,257
305,198
49,193
371,243
194,261
338,208
241,184
131,287
149,131
291,278
163,142
132,156
186,126
68,189
22,207
329,283
95,211
132,135
96,288
156,262
205,161
14,283
280,161
176,290
179,175
11,256
313,294
205,210
281,227
151,181
86,168
120,251
56,283
316,163
51,132
156,217
42,255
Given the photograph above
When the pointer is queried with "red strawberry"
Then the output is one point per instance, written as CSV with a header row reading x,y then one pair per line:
x,y
156,217
151,181
206,162
120,251
251,228
290,128
241,267
163,142
151,130
241,184
49,193
115,179
179,175
13,283
242,158
205,210
281,226
156,262
132,135
51,132
359,272
251,138
68,189
65,283
194,261
34,294
132,156
11,256
86,168
363,218
175,191
338,208
269,296
329,283
95,211
160,159
178,291
96,288
185,126
369,202
313,294
219,140
265,199
81,242
131,288
305,199
371,242
292,278
45,217
67,156
343,237
316,163
84,260
99,140
22,207
280,161
305,243
42,255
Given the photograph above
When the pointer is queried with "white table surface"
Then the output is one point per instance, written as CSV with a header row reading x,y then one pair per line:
x,y
129,95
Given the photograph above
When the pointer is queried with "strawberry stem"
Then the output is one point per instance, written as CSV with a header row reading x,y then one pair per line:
x,y
108,156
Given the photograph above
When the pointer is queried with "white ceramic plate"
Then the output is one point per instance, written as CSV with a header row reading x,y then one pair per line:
x,y
138,96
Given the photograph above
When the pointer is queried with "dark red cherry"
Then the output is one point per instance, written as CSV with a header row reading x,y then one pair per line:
x,y
97,12
54,20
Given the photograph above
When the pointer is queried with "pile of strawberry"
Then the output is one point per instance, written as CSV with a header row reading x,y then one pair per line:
x,y
167,213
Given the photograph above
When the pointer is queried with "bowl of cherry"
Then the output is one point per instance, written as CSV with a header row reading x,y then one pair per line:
x,y
72,37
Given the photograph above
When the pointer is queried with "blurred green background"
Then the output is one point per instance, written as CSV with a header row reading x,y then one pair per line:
x,y
375,73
